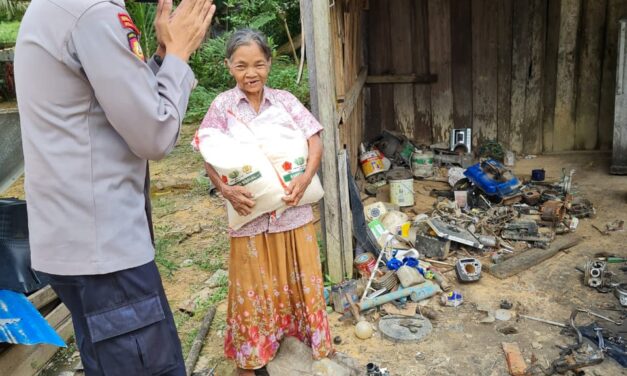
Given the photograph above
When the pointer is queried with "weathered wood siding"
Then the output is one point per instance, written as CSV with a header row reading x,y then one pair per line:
x,y
536,75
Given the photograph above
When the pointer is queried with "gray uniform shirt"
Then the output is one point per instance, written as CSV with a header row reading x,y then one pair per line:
x,y
92,113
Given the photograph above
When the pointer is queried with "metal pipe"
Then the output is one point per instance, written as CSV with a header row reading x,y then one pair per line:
x,y
415,293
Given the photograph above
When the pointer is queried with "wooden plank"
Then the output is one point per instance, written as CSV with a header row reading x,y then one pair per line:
x,y
615,10
525,260
566,88
504,70
534,94
461,63
19,360
440,64
422,93
33,361
402,79
381,109
401,49
42,297
550,73
521,52
355,92
347,222
484,70
590,68
318,17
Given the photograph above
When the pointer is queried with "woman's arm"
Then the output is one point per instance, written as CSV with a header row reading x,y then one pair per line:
x,y
238,196
299,184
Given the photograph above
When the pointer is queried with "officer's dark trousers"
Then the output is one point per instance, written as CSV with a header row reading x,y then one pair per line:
x,y
123,323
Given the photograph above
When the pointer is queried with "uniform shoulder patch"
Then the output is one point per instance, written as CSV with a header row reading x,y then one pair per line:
x,y
127,22
136,48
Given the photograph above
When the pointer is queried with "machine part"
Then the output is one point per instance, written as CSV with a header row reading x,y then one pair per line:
x,y
552,211
621,293
468,270
531,198
581,208
405,329
453,233
614,345
596,274
386,282
374,370
527,231
433,247
488,241
461,141
619,323
464,160
567,181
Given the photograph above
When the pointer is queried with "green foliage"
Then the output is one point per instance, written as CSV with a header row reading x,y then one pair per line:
x,y
12,10
208,62
8,32
144,17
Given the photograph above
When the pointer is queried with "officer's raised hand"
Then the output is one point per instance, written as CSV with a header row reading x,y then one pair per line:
x,y
182,32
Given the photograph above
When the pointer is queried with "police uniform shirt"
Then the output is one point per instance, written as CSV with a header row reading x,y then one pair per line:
x,y
92,113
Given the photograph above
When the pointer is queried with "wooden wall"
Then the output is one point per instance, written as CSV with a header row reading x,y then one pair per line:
x,y
347,22
537,75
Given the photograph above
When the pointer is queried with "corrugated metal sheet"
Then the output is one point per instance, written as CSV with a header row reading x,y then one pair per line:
x,y
21,323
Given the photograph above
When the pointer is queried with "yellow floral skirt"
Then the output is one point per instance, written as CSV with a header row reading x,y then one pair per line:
x,y
275,290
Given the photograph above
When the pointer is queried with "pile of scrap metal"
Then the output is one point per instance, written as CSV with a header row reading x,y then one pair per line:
x,y
504,214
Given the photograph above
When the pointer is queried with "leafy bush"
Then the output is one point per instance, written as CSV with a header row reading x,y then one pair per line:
x,y
8,32
208,62
12,10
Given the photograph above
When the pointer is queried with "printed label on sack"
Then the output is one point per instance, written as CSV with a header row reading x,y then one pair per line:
x,y
241,177
291,170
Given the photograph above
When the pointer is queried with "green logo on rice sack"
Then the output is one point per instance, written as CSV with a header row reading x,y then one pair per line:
x,y
247,176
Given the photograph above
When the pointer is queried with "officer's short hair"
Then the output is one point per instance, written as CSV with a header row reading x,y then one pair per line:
x,y
244,37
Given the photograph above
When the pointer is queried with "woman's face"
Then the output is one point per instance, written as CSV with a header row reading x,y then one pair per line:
x,y
250,68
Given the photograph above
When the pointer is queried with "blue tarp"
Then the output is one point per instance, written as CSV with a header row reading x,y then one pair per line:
x,y
21,323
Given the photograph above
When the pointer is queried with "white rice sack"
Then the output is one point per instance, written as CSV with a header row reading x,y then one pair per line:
x,y
286,147
241,163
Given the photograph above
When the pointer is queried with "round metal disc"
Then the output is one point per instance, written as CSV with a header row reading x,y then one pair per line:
x,y
405,329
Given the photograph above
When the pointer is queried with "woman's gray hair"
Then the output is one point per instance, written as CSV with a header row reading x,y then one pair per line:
x,y
245,37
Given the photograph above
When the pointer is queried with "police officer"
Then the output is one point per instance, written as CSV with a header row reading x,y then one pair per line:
x,y
92,112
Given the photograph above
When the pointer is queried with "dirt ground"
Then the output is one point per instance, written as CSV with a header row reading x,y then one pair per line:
x,y
192,244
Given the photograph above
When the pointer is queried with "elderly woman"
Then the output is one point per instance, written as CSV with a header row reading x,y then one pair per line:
x,y
275,279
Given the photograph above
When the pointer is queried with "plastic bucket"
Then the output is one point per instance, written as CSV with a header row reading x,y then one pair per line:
x,y
401,188
422,163
371,162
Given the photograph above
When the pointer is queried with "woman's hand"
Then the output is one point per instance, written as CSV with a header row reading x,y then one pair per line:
x,y
296,189
240,198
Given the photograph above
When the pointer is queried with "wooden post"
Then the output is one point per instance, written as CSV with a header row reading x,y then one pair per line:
x,y
484,70
521,52
504,74
461,60
550,73
566,94
616,9
316,16
439,15
401,49
535,78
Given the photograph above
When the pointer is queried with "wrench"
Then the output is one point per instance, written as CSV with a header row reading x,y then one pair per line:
x,y
619,323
